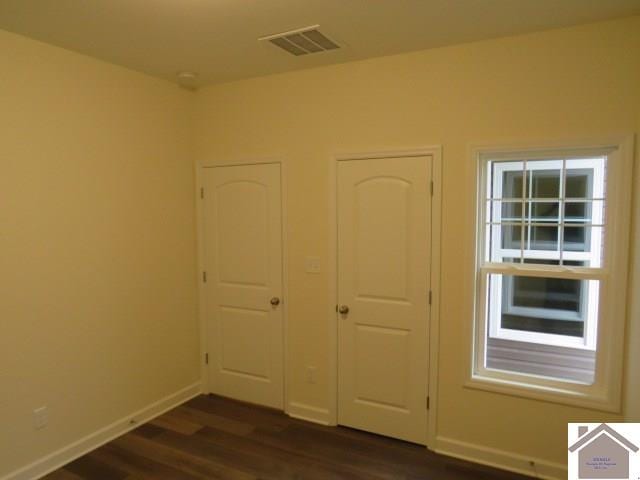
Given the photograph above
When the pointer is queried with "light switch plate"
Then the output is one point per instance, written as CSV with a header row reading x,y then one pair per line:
x,y
311,374
312,264
40,417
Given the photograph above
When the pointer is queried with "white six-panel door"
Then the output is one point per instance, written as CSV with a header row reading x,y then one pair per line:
x,y
383,210
243,305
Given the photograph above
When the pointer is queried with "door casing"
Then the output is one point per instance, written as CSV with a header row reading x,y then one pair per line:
x,y
207,387
435,152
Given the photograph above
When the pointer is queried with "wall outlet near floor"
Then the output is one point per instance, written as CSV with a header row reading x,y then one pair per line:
x,y
40,417
311,374
312,264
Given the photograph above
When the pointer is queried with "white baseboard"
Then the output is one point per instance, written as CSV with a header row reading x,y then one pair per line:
x,y
61,457
302,411
501,459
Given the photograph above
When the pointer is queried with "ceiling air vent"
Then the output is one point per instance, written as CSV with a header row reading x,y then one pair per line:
x,y
302,41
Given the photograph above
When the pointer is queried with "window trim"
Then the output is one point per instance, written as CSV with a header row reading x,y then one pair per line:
x,y
605,392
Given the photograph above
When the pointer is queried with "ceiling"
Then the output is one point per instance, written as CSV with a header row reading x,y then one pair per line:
x,y
218,38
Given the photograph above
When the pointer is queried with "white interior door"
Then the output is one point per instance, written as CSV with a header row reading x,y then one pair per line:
x,y
383,280
243,256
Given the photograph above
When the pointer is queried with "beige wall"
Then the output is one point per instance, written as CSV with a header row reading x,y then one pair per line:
x,y
563,84
632,393
98,285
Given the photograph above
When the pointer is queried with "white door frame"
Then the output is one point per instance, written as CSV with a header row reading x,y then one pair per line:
x,y
204,348
436,219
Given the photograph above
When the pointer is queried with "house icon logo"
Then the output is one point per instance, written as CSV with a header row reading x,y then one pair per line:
x,y
603,451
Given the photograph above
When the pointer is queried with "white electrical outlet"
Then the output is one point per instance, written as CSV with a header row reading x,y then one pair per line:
x,y
40,418
311,375
312,264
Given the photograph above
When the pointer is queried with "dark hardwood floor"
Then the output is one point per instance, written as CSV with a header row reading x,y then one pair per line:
x,y
211,437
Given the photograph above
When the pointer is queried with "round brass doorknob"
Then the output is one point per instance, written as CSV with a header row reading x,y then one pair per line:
x,y
343,309
275,301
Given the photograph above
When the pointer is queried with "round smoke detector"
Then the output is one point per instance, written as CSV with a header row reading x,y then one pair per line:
x,y
187,79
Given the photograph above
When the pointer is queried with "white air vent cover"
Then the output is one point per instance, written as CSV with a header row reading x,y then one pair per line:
x,y
302,41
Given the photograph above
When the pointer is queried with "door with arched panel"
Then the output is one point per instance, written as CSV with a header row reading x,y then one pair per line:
x,y
243,290
384,223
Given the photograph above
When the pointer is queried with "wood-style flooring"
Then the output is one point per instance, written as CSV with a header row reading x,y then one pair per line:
x,y
211,437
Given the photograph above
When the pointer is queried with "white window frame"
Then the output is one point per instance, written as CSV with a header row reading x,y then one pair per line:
x,y
545,313
588,342
604,393
589,303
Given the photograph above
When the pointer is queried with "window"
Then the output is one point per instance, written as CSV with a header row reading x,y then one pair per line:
x,y
545,213
546,277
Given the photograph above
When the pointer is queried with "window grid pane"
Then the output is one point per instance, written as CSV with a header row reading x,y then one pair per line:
x,y
546,200
563,175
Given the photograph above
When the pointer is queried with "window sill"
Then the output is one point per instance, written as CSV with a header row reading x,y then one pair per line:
x,y
543,340
572,365
532,391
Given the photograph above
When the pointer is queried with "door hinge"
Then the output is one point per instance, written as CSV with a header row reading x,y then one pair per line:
x,y
428,402
432,188
202,193
430,297
206,358
204,277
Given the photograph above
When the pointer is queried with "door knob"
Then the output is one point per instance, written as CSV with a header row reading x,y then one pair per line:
x,y
343,309
275,301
